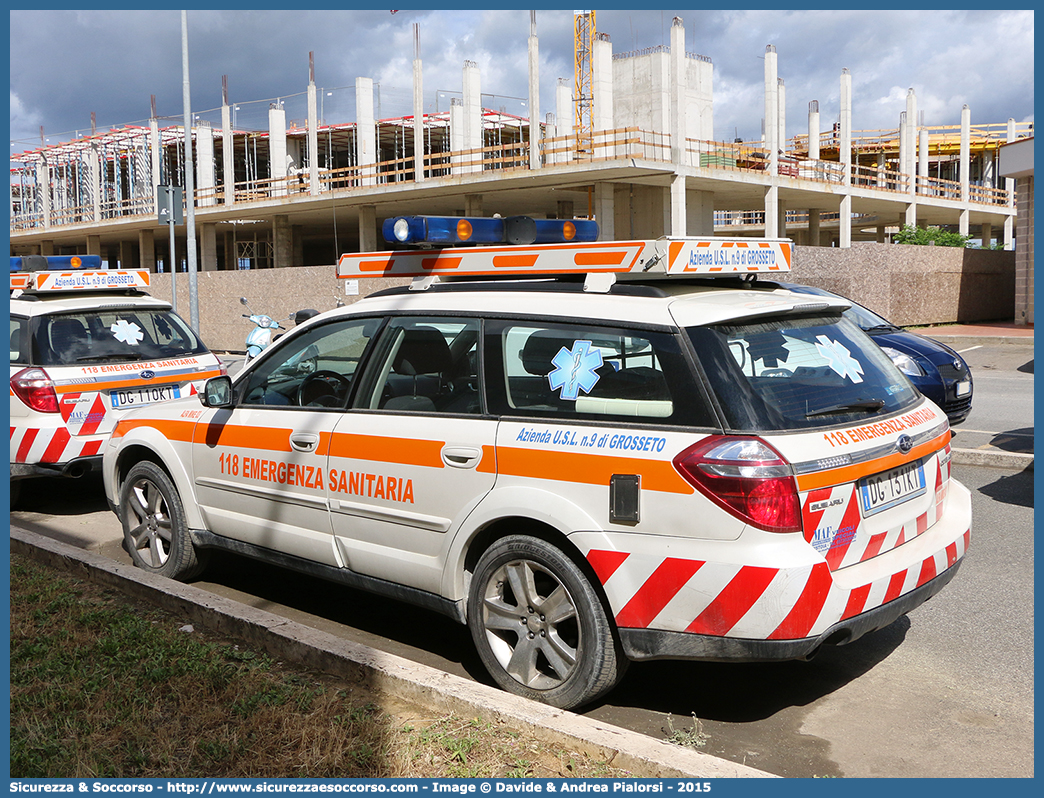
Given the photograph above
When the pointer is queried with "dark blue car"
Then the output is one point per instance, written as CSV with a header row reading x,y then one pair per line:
x,y
935,370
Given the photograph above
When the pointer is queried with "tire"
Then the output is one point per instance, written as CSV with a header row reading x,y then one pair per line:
x,y
154,530
565,660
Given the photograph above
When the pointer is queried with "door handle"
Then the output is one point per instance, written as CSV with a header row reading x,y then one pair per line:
x,y
304,441
461,456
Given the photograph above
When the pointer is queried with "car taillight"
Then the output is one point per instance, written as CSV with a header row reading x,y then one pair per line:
x,y
35,389
746,477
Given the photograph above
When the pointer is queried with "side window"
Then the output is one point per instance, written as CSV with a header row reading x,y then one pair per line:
x,y
428,365
316,369
19,341
580,371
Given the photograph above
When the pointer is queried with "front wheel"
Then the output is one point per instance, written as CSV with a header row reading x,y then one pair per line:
x,y
155,533
539,625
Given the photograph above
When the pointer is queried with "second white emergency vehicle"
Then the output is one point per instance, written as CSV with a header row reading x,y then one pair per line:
x,y
604,457
87,346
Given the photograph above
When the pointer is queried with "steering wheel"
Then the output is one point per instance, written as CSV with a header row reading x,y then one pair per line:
x,y
323,389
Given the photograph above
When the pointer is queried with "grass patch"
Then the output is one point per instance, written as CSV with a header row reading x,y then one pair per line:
x,y
104,686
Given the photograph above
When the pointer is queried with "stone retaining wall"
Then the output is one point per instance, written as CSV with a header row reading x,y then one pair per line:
x,y
909,285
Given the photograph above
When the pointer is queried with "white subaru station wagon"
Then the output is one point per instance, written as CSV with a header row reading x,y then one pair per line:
x,y
589,452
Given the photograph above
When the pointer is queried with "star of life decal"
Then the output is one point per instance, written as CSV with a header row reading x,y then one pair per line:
x,y
576,370
839,359
127,332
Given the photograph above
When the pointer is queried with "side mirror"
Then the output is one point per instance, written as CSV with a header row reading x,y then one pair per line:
x,y
217,392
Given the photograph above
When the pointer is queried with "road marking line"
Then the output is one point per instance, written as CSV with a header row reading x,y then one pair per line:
x,y
962,430
969,349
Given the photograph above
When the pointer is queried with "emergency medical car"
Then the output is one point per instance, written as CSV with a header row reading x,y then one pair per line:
x,y
589,452
87,346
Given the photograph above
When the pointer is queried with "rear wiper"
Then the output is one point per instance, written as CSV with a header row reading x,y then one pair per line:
x,y
868,404
99,358
880,328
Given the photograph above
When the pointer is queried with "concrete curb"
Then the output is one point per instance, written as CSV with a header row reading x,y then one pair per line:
x,y
959,341
430,688
1016,461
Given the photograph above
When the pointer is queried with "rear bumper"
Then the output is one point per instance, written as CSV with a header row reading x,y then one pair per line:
x,y
646,644
75,468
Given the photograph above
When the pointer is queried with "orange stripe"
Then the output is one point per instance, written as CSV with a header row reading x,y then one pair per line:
x,y
590,469
405,451
440,263
273,439
514,261
839,476
598,258
375,265
159,380
171,430
672,252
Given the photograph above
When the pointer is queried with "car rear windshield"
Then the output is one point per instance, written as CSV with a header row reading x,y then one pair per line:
x,y
798,372
112,335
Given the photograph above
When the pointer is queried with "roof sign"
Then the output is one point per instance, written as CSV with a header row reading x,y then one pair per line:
x,y
85,281
665,257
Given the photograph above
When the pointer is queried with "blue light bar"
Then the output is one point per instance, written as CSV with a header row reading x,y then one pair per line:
x,y
39,263
451,230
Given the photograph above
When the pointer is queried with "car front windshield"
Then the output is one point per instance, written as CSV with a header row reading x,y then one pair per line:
x,y
799,372
113,335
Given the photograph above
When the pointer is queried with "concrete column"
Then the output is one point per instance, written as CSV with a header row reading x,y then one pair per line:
x,y
456,136
231,260
228,156
1009,182
564,120
678,214
154,152
1009,233
771,122
922,153
699,213
965,153
813,133
277,148
904,137
147,249
313,141
602,85
846,126
473,205
813,226
368,228
781,220
43,189
365,132
781,115
772,211
987,235
472,98
205,163
678,86
94,245
910,216
879,234
605,210
534,94
208,247
297,258
964,222
565,209
418,109
46,248
282,241
845,232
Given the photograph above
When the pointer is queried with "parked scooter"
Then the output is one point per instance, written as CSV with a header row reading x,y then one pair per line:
x,y
260,337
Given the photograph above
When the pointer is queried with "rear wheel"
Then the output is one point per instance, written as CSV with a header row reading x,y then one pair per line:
x,y
154,530
539,625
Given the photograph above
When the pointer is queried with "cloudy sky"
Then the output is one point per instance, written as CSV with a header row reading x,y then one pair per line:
x,y
66,64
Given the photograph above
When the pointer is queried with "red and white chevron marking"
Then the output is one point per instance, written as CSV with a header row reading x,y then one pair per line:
x,y
35,445
710,598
